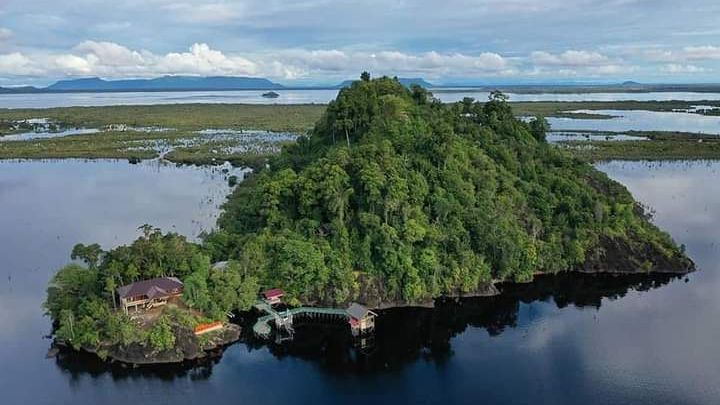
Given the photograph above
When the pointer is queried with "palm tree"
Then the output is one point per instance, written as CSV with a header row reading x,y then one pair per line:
x,y
338,205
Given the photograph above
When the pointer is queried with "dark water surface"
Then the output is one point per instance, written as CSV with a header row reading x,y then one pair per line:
x,y
566,339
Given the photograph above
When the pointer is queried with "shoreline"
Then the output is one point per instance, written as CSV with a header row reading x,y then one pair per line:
x,y
136,355
232,333
216,350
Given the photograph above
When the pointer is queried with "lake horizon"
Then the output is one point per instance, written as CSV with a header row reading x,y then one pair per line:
x,y
305,96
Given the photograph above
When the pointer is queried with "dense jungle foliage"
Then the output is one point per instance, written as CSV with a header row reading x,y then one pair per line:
x,y
396,197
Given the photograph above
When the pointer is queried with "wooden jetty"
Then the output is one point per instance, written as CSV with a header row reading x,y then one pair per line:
x,y
360,319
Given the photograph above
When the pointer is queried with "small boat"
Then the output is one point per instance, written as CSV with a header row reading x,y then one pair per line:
x,y
271,94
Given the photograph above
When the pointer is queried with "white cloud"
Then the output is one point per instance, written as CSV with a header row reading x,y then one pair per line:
x,y
73,65
607,70
702,52
688,53
327,60
109,53
484,62
108,59
660,55
18,64
577,63
330,34
432,64
112,60
676,68
569,58
203,60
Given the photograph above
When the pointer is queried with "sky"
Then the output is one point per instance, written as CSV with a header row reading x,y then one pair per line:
x,y
326,41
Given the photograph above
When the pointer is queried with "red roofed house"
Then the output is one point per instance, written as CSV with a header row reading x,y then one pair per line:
x,y
273,296
146,294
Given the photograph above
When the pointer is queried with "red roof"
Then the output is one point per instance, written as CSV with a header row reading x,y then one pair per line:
x,y
273,293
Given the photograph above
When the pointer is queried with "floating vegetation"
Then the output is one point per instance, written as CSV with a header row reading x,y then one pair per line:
x,y
38,128
655,146
218,142
43,128
212,134
699,109
131,128
566,136
242,147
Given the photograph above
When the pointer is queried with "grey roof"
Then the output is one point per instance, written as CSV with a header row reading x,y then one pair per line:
x,y
357,311
156,287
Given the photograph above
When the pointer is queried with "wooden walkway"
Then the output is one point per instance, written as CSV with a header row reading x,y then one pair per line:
x,y
284,319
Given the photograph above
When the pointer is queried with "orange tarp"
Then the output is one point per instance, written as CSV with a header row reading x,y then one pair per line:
x,y
207,327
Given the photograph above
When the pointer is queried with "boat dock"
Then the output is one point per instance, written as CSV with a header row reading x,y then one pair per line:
x,y
284,319
360,319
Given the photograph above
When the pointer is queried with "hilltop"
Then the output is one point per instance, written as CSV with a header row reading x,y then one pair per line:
x,y
405,81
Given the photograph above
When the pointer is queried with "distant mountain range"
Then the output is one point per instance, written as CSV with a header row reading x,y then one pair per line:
x,y
175,83
220,83
166,83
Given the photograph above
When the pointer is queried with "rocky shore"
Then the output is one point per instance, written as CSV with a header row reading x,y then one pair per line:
x,y
619,256
188,347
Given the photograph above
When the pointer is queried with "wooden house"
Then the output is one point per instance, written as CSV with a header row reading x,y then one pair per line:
x,y
361,319
147,294
273,296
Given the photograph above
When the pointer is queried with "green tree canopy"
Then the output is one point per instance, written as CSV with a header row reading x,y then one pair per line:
x,y
396,195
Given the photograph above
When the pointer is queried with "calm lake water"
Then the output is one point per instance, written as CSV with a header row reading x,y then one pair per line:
x,y
45,100
561,340
638,120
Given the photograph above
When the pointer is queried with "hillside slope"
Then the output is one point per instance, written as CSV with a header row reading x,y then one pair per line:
x,y
397,198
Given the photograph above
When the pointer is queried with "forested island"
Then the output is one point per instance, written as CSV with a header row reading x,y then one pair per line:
x,y
84,304
393,198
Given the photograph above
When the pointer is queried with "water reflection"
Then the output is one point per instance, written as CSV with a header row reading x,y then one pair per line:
x,y
77,365
406,335
403,335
